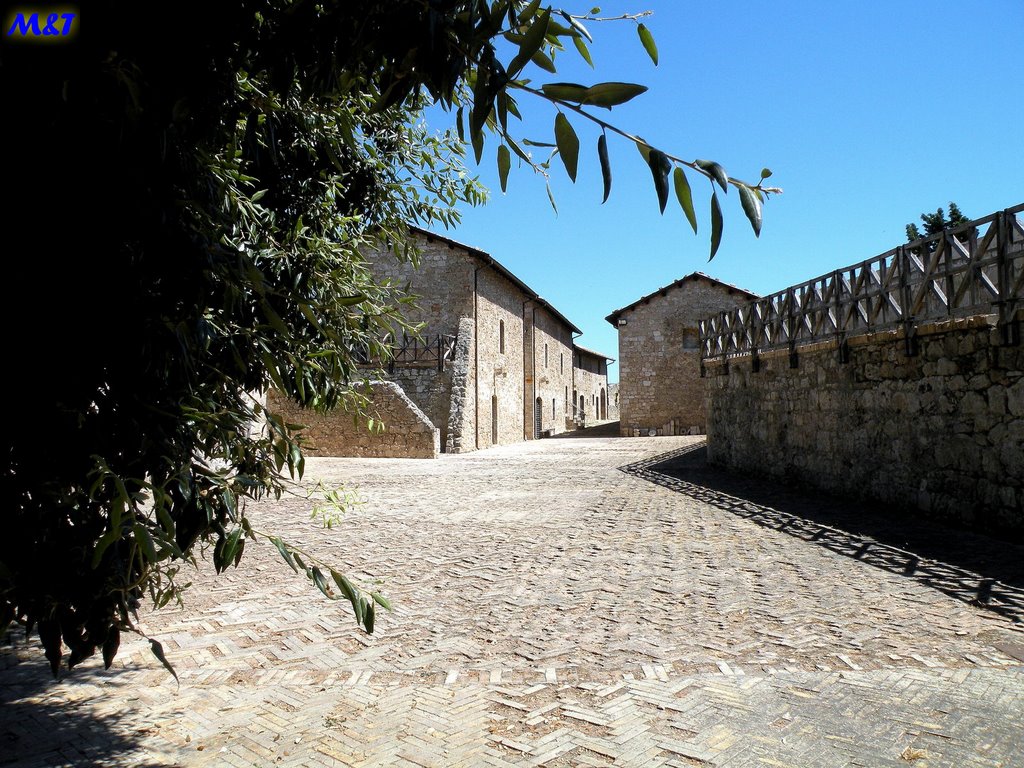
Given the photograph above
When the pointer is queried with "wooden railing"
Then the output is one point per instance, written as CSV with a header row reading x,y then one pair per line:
x,y
414,352
973,269
422,352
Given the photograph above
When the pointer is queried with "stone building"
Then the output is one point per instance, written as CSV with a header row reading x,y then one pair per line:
x,y
613,401
660,389
548,370
591,388
495,362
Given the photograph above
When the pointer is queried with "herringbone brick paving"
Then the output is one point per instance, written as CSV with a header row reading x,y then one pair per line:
x,y
550,609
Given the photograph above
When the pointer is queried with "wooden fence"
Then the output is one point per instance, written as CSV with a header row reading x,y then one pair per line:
x,y
422,352
414,352
974,269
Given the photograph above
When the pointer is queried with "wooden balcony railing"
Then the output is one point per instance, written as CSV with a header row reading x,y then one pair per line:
x,y
417,352
974,269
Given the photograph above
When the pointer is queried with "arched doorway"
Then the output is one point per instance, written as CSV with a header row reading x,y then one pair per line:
x,y
538,418
494,419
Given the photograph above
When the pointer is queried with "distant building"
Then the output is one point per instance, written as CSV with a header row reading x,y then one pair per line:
x,y
496,362
660,391
591,387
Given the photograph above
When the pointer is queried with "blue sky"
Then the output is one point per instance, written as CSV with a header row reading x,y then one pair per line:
x,y
868,114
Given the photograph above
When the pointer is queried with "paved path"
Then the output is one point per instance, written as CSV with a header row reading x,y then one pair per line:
x,y
566,602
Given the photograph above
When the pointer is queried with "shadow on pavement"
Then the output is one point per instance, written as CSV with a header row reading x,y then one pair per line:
x,y
40,728
605,429
968,566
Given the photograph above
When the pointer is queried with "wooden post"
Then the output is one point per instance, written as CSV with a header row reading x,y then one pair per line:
x,y
702,326
950,284
722,342
906,299
1009,325
842,348
794,361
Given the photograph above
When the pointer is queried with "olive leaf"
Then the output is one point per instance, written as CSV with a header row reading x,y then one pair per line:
x,y
504,164
606,168
716,172
583,50
565,91
660,167
568,144
716,225
531,44
575,24
612,94
647,39
684,196
752,208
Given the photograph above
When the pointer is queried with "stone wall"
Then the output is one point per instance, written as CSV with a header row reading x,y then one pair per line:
x,y
660,387
407,433
613,401
551,380
431,390
487,396
942,431
460,430
499,366
442,283
591,383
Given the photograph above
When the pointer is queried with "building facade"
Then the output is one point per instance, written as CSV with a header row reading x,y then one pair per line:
x,y
660,390
495,362
548,372
591,385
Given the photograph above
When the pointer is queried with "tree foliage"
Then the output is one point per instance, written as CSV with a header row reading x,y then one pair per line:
x,y
536,36
190,215
935,223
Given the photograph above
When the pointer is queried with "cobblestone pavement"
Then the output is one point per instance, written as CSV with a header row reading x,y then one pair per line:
x,y
571,601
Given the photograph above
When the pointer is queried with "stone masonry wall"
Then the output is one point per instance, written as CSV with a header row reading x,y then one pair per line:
x,y
461,426
942,431
443,283
659,358
407,433
552,379
499,373
490,399
430,389
591,380
613,401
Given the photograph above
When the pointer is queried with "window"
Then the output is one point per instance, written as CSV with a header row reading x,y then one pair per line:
x,y
545,355
553,414
501,336
561,362
567,400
